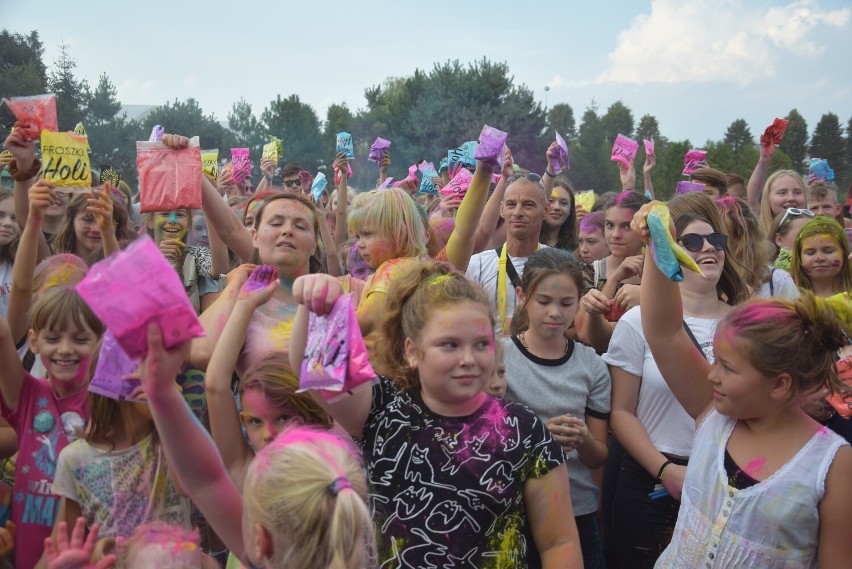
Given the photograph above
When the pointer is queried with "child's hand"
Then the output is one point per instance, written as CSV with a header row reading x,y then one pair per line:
x,y
673,480
22,149
307,180
175,141
627,175
172,250
78,553
161,366
7,539
580,211
225,184
629,268
627,297
596,302
42,195
100,204
267,167
650,163
341,162
260,286
317,292
570,432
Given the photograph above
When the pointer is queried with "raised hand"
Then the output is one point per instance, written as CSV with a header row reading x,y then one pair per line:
x,y
101,206
259,286
22,149
76,554
317,292
42,195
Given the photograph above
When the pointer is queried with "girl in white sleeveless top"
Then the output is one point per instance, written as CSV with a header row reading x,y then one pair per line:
x,y
766,485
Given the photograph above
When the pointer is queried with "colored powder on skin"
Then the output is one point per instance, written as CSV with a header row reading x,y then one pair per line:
x,y
280,334
754,466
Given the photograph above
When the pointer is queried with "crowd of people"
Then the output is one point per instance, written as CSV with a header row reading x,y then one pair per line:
x,y
543,396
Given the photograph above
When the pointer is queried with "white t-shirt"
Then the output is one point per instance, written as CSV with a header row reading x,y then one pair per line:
x,y
5,286
783,286
668,425
483,268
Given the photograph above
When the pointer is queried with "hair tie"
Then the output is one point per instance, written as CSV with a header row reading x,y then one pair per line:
x,y
339,484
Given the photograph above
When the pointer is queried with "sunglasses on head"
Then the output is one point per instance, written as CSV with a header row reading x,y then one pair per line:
x,y
695,242
529,176
290,183
795,212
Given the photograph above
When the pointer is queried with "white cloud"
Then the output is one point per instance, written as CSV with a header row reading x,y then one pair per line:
x,y
708,40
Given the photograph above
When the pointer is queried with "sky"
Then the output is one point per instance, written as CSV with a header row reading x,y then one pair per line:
x,y
696,65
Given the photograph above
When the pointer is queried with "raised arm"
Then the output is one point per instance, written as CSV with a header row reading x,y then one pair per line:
x,y
332,259
318,293
341,228
224,417
25,174
754,189
11,372
549,177
41,196
461,243
101,207
680,362
647,168
189,449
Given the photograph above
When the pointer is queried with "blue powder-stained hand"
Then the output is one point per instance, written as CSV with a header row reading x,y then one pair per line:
x,y
667,255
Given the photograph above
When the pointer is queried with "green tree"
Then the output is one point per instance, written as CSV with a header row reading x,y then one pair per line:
x,y
22,71
738,137
248,130
298,126
847,177
110,134
649,129
560,118
828,142
795,141
187,118
72,94
104,104
617,119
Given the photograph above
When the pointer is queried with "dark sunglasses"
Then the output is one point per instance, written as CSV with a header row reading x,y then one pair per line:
x,y
695,242
290,183
529,176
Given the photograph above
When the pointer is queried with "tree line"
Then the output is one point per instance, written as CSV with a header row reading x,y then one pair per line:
x,y
424,115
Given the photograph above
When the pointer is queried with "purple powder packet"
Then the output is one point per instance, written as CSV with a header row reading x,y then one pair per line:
x,y
241,160
157,134
379,150
561,155
624,150
491,143
685,187
113,364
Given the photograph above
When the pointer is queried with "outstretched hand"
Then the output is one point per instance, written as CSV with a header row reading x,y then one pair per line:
x,y
21,147
259,286
76,554
318,292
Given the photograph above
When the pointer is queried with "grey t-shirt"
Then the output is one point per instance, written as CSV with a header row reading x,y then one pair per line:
x,y
577,384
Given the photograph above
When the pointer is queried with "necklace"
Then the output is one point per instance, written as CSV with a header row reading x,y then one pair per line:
x,y
524,342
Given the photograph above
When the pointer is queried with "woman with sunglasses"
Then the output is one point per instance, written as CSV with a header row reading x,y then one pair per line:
x,y
783,231
652,433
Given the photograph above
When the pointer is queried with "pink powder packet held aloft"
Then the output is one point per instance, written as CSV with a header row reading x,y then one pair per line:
x,y
693,160
38,111
113,364
458,185
649,146
685,187
335,358
127,303
379,149
561,158
169,179
386,184
491,143
412,177
624,150
241,159
774,133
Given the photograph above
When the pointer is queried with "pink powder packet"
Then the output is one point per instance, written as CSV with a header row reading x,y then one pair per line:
x,y
685,187
127,303
458,185
241,160
412,177
693,160
491,143
336,360
649,146
774,133
561,155
386,184
113,364
169,179
624,150
39,111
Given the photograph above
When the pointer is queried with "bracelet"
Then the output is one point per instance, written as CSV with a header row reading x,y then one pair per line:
x,y
551,174
24,175
663,470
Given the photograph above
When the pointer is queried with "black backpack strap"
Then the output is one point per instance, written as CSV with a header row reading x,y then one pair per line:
x,y
694,341
511,272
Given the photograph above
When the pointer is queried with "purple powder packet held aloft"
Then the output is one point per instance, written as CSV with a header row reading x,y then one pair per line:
x,y
491,143
693,160
624,150
561,158
157,134
127,306
649,146
113,364
379,150
241,159
685,187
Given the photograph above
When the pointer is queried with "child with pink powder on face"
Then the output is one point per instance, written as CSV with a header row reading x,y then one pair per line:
x,y
456,474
